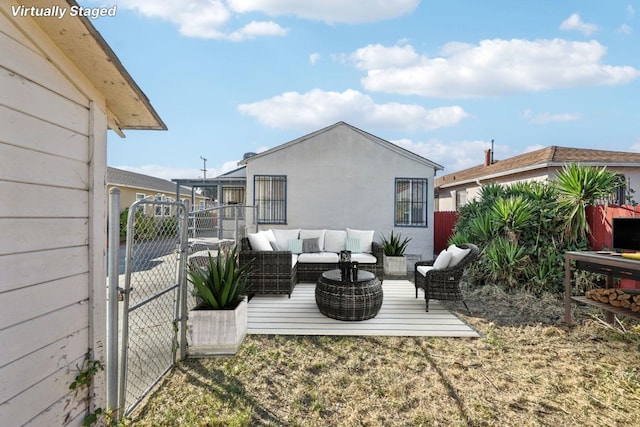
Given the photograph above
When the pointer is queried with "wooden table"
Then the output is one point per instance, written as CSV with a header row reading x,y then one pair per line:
x,y
604,263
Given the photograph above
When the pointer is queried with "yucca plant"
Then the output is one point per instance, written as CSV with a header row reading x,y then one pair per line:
x,y
578,187
394,245
222,283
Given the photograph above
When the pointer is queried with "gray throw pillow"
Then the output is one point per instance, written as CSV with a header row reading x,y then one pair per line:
x,y
311,245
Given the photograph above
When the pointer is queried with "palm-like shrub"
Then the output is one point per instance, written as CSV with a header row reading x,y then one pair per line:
x,y
523,230
579,186
222,283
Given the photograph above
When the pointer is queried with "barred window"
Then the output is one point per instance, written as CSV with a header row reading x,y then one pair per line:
x,y
270,195
411,202
232,196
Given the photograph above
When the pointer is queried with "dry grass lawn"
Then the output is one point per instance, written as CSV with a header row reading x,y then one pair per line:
x,y
529,369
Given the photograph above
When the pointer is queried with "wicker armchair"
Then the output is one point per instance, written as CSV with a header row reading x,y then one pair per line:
x,y
444,284
270,272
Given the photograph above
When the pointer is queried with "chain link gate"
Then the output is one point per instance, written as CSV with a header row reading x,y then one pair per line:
x,y
154,281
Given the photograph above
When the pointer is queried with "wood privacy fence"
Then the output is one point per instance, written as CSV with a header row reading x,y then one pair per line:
x,y
443,224
600,218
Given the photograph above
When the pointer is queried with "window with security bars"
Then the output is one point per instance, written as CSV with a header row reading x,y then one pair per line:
x,y
232,196
270,195
411,202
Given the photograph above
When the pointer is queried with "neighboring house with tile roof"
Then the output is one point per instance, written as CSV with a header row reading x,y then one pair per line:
x,y
456,189
136,186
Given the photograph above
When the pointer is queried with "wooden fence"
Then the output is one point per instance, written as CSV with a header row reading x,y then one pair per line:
x,y
600,218
443,224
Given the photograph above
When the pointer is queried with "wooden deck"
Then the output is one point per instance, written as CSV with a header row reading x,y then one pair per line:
x,y
402,314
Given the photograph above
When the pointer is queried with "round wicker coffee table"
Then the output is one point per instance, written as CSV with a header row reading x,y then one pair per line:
x,y
346,300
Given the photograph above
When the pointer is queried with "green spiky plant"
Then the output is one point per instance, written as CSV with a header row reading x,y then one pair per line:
x,y
222,283
578,187
394,245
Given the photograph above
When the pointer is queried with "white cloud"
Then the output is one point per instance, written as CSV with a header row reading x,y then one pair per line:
x,y
318,108
212,19
457,155
378,56
574,22
546,118
314,57
330,11
624,29
491,68
171,172
631,12
257,29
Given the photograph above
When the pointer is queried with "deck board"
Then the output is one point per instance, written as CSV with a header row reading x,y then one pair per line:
x,y
402,314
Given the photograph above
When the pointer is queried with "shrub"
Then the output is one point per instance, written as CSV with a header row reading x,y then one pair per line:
x,y
523,230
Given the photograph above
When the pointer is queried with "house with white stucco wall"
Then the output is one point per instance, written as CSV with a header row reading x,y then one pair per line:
x,y
343,177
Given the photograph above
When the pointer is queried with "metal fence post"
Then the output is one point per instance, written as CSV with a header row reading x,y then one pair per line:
x,y
182,294
112,311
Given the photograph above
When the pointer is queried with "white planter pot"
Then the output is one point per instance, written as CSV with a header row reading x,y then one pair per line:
x,y
217,332
394,265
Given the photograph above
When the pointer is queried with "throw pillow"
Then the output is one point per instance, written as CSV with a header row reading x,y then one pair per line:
x,y
295,246
270,237
311,234
457,254
283,236
365,236
353,245
443,260
334,240
311,245
259,242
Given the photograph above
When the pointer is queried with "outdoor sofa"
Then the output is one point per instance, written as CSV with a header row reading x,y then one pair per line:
x,y
280,258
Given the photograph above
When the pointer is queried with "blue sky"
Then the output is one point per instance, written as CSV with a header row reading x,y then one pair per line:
x,y
439,78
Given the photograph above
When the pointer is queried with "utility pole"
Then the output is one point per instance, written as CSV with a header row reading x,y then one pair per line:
x,y
204,169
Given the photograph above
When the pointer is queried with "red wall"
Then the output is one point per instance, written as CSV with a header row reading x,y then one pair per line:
x,y
600,218
443,224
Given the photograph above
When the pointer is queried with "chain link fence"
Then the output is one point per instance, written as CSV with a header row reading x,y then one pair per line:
x,y
153,280
162,240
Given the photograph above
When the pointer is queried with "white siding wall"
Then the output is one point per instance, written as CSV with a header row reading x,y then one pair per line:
x,y
52,222
342,179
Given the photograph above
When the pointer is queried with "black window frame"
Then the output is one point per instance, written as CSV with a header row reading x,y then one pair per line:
x,y
276,207
414,204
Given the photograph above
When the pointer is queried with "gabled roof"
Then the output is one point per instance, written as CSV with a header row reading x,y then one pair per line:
x,y
552,156
137,180
77,38
388,145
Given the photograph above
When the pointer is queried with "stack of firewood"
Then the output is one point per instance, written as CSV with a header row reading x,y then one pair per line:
x,y
615,297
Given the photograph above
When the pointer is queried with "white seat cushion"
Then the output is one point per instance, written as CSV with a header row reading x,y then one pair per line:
x,y
363,258
320,257
365,236
423,269
334,240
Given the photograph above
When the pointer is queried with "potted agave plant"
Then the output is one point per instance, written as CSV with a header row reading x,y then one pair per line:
x,y
394,261
218,324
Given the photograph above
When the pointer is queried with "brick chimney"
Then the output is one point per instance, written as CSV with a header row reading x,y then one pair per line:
x,y
487,157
